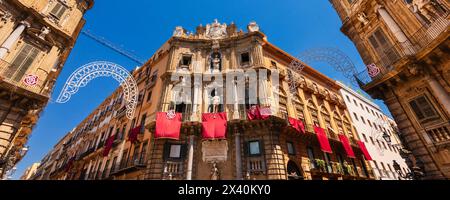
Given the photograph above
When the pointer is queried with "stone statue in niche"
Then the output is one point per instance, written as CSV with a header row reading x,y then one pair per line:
x,y
362,17
216,62
428,9
44,32
215,174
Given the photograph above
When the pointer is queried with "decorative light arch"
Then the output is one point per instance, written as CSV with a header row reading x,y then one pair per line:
x,y
333,56
83,75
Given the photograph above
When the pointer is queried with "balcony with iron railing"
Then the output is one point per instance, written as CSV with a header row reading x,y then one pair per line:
x,y
414,45
8,75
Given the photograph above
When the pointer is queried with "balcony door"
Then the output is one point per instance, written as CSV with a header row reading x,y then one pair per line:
x,y
22,62
383,47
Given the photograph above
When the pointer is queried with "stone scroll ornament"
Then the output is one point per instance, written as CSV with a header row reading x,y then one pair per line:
x,y
31,80
83,75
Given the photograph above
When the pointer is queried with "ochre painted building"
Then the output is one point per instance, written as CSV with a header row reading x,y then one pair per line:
x,y
36,37
259,149
405,45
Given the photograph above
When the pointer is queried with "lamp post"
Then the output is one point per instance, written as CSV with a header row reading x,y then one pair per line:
x,y
415,174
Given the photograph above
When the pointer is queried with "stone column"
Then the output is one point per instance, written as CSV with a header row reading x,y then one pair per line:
x,y
15,35
395,29
190,157
440,93
257,54
236,102
196,98
237,140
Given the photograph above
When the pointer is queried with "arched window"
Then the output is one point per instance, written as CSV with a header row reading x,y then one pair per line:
x,y
314,113
299,108
326,117
282,112
348,127
338,121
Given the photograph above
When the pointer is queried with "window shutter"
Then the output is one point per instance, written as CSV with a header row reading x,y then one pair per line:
x,y
183,152
166,150
381,37
246,149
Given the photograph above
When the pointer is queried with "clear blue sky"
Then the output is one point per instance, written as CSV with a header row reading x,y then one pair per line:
x,y
142,26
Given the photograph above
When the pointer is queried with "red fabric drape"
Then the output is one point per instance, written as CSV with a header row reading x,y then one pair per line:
x,y
323,139
258,113
363,148
297,124
132,137
265,113
108,145
168,126
214,125
347,146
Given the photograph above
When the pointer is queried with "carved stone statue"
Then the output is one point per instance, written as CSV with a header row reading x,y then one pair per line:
x,y
216,63
44,32
215,174
362,17
216,103
179,31
252,27
426,8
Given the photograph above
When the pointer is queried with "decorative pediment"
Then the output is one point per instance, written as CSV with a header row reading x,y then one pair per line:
x,y
216,30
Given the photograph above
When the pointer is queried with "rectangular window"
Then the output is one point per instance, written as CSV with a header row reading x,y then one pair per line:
x,y
365,138
273,63
186,60
311,157
423,109
58,10
245,59
143,152
371,140
22,62
254,148
175,151
291,149
356,116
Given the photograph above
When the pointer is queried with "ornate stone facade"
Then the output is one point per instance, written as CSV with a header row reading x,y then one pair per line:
x,y
35,39
258,149
405,45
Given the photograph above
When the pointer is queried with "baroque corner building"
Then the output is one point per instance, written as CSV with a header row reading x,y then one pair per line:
x,y
36,38
405,45
101,147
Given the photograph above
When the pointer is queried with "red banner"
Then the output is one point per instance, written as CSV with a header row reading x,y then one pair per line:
x,y
214,125
297,124
132,137
108,145
347,146
363,148
323,139
258,113
168,125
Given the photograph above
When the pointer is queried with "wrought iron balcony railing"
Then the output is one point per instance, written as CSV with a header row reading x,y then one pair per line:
x,y
7,75
414,45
